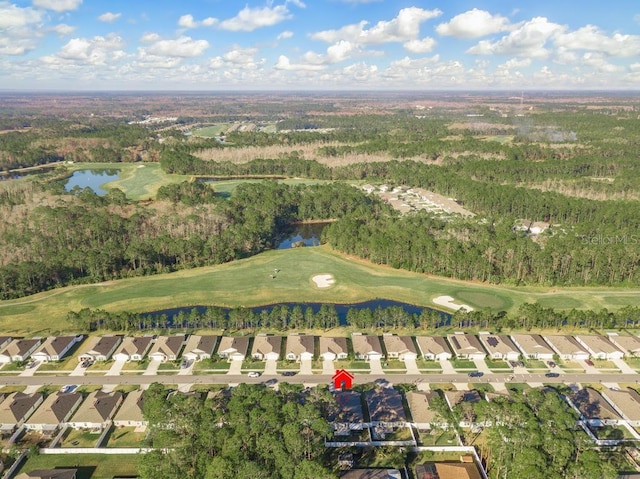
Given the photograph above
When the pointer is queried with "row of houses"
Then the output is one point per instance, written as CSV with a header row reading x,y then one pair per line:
x,y
611,407
301,347
46,414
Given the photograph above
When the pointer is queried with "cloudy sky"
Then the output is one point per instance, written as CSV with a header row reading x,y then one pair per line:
x,y
319,44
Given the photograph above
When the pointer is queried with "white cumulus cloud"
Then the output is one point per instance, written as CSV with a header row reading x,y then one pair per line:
x,y
58,5
63,29
285,64
98,50
249,19
528,40
404,27
473,24
420,46
109,17
284,35
12,16
592,38
181,47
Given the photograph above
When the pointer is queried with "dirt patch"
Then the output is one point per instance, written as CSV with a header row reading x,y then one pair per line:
x,y
324,280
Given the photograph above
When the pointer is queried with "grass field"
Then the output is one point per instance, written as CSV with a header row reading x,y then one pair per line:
x,y
90,466
247,283
139,181
210,131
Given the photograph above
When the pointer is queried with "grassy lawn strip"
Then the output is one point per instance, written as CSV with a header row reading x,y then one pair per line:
x,y
207,364
79,438
432,365
463,364
246,283
125,437
91,466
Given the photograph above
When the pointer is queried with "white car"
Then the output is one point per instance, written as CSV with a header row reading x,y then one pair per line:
x,y
253,374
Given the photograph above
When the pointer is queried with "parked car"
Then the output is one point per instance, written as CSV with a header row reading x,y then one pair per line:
x,y
476,374
254,374
589,362
513,364
289,373
69,388
552,375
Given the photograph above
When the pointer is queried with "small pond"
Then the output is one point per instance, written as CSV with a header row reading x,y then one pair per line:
x,y
307,234
93,179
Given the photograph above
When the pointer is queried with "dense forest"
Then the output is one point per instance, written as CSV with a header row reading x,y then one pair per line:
x,y
284,318
249,432
576,170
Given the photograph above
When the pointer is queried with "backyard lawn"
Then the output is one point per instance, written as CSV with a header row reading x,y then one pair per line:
x,y
90,466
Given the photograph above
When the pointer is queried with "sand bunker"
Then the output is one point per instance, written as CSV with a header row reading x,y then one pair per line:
x,y
448,302
323,280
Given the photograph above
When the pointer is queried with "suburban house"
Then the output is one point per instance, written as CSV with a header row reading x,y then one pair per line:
x,y
134,349
167,348
422,415
567,347
367,347
16,409
55,347
499,346
19,350
266,348
48,474
630,345
434,348
385,407
100,349
96,411
533,346
399,347
466,469
346,415
333,348
56,409
299,347
233,348
600,347
4,341
454,398
199,347
626,403
130,413
593,408
371,474
466,346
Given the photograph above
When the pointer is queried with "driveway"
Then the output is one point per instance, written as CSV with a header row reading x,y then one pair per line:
x,y
481,365
587,369
187,371
622,366
30,371
411,365
79,370
152,369
328,367
116,368
376,366
447,367
271,367
235,367
306,366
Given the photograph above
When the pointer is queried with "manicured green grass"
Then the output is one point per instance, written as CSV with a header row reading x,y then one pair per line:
x,y
463,364
424,364
210,131
125,437
213,364
91,466
247,283
497,364
79,438
139,181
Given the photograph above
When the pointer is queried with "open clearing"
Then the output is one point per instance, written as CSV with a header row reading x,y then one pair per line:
x,y
93,466
247,283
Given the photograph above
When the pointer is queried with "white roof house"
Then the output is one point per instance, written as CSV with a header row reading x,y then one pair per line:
x,y
399,347
299,347
55,348
599,347
499,346
630,345
367,347
567,347
199,347
266,347
333,348
434,347
533,346
466,346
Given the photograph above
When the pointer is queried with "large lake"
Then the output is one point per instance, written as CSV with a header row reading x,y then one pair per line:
x,y
93,179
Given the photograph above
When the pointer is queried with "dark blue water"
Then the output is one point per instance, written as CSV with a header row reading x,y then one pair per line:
x,y
93,179
300,235
341,309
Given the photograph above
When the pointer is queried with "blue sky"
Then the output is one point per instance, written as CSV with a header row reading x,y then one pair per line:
x,y
319,44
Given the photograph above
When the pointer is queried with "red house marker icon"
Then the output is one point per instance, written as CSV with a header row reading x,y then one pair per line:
x,y
342,379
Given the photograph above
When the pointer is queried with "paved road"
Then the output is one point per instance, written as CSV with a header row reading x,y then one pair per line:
x,y
320,379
